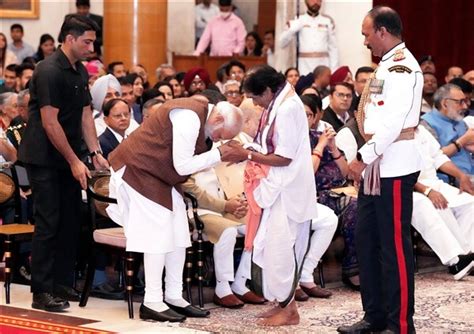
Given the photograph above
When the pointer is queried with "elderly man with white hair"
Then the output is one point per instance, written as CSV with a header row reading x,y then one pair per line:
x,y
222,209
148,168
105,89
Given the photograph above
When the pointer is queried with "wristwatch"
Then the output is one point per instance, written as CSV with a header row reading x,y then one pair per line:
x,y
249,156
94,153
427,191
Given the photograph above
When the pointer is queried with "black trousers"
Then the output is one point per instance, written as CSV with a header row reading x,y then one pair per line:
x,y
385,254
57,203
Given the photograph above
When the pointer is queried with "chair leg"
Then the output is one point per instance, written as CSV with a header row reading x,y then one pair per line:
x,y
129,259
90,272
189,273
200,266
8,268
321,274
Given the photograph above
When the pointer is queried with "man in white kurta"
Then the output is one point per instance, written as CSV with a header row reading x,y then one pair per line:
x,y
160,232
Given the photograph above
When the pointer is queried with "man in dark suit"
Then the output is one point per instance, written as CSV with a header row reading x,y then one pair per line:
x,y
83,8
117,117
337,114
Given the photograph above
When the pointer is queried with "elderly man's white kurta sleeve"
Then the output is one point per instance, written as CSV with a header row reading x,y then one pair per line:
x,y
186,126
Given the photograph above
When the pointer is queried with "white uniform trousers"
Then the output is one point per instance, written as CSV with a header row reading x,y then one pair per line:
x,y
323,229
441,229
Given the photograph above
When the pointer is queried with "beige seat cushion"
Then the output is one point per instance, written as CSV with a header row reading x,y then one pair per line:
x,y
113,236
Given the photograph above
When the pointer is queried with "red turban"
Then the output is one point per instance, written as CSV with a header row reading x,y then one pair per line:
x,y
191,74
339,75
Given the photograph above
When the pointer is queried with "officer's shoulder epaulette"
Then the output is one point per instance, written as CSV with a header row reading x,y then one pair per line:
x,y
400,69
330,19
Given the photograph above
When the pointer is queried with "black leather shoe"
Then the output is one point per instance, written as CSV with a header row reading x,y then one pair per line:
x,y
67,293
46,301
189,311
360,327
106,291
168,315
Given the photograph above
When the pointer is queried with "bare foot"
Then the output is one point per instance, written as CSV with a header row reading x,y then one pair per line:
x,y
287,316
271,312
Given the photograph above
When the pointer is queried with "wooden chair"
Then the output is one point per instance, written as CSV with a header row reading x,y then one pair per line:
x,y
198,247
11,233
113,237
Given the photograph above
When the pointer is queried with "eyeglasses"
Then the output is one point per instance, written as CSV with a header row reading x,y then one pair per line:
x,y
343,96
459,102
232,93
121,115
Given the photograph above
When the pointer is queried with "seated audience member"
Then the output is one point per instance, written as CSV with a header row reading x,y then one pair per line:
x,y
95,69
446,124
268,48
7,153
467,89
9,79
361,77
253,44
151,106
331,169
8,109
24,72
430,85
127,84
165,88
453,72
233,93
18,46
153,94
176,87
137,88
469,76
117,117
441,213
337,113
292,75
305,82
8,57
196,80
46,47
342,74
117,69
105,89
164,71
222,209
427,64
221,77
235,70
142,72
17,125
224,33
322,79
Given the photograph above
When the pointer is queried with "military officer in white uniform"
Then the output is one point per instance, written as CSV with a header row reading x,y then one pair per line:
x,y
390,163
316,39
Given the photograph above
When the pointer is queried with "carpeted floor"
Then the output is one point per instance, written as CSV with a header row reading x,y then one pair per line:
x,y
15,320
442,306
